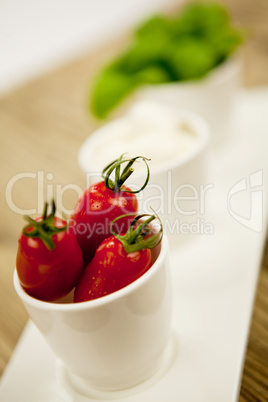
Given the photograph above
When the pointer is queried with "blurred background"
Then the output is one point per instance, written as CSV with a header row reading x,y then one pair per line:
x,y
49,53
36,36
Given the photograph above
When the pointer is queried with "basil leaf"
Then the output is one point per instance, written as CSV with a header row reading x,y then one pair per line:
x,y
111,86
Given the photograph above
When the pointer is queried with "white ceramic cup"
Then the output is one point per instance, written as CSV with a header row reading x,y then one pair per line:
x,y
114,342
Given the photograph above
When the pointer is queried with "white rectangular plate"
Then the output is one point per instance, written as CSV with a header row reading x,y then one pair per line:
x,y
214,277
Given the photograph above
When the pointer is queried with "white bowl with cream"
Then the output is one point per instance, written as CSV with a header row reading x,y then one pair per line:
x,y
177,143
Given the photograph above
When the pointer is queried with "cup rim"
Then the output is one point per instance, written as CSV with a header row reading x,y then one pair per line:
x,y
92,304
200,127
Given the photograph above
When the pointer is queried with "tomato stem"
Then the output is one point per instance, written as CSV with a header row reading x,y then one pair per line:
x,y
139,235
120,178
44,228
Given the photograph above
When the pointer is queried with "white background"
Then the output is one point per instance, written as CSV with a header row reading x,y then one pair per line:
x,y
38,35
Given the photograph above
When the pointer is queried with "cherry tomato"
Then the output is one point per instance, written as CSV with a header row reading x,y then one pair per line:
x,y
101,203
118,261
49,260
94,213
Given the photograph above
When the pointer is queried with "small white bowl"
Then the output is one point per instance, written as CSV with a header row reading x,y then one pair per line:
x,y
212,97
176,175
114,342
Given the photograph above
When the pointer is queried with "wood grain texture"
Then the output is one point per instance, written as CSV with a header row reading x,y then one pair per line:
x,y
42,126
255,377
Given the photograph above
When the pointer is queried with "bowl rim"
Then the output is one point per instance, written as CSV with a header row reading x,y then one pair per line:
x,y
96,303
200,127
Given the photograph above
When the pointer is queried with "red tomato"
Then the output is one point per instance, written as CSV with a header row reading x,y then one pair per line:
x,y
94,213
118,261
111,269
49,260
100,204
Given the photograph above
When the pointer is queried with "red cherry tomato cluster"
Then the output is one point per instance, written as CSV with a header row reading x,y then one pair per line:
x,y
88,254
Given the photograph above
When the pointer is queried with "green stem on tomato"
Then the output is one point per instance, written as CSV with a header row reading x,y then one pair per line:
x,y
120,178
139,235
43,229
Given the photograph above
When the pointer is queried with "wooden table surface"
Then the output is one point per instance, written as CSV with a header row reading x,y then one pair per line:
x,y
42,126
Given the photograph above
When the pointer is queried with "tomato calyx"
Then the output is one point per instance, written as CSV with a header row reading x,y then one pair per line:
x,y
44,228
139,234
121,177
